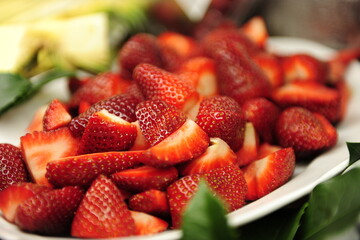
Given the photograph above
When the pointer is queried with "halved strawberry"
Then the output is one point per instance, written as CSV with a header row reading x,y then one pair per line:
x,y
140,48
36,123
249,150
14,195
266,149
218,154
271,66
50,212
56,115
338,64
345,93
255,29
146,224
265,175
144,178
102,213
107,132
151,201
187,142
140,142
39,148
121,105
83,107
12,166
310,95
83,169
263,114
158,119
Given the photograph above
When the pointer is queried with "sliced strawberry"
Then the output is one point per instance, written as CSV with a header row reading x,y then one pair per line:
x,y
14,195
49,212
158,119
39,148
218,154
271,66
310,95
151,201
187,142
263,114
345,93
140,48
83,107
146,224
56,115
122,105
249,150
339,63
102,213
267,174
266,149
36,123
145,178
140,142
83,169
106,132
220,116
255,29
12,166
303,131
303,67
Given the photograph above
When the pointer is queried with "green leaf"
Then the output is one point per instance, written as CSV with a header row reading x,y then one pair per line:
x,y
204,218
333,206
354,150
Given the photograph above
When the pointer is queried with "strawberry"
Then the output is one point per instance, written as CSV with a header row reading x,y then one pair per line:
x,y
329,129
144,178
266,149
339,63
158,119
220,116
140,48
39,148
217,155
83,107
14,195
140,142
36,123
255,29
303,67
12,166
263,115
146,224
200,71
83,169
249,150
56,115
303,131
267,174
151,201
271,66
121,105
345,93
135,91
187,142
74,83
49,212
313,96
102,213
107,132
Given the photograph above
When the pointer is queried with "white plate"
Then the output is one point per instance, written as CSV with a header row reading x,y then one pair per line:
x,y
13,123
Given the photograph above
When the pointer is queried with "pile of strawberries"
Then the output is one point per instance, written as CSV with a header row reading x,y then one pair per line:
x,y
127,152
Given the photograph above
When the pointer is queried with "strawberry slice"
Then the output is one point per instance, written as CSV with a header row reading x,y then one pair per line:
x,y
145,178
102,213
49,212
187,142
83,169
56,115
12,164
107,132
140,142
267,174
339,63
310,95
36,123
39,148
271,66
158,119
217,155
156,83
146,224
14,195
255,29
266,149
249,150
152,201
83,107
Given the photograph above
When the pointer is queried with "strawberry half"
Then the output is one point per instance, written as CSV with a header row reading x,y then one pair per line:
x,y
83,169
56,115
106,132
140,142
151,201
39,148
36,123
145,178
255,29
265,175
102,213
271,66
187,142
249,150
12,164
146,224
49,212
